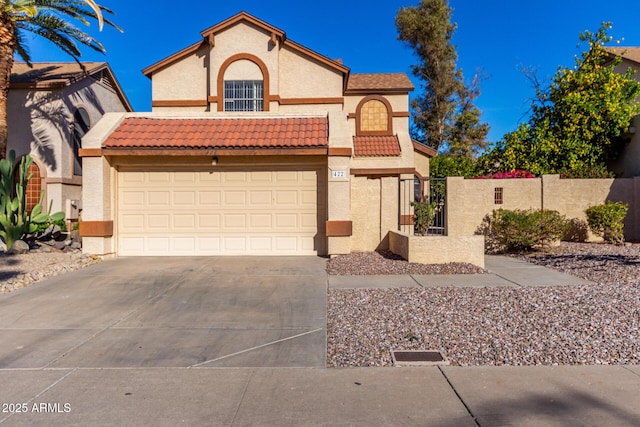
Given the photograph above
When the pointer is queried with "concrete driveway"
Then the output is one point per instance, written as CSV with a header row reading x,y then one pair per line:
x,y
171,312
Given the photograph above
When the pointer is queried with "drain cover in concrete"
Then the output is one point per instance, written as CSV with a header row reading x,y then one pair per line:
x,y
418,358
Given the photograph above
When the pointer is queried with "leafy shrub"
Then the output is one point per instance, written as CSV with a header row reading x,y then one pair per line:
x,y
593,172
423,215
522,230
607,220
442,166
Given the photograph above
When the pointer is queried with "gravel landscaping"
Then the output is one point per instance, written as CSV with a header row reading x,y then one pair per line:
x,y
385,262
568,325
18,271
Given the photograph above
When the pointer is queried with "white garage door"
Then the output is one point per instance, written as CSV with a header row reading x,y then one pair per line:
x,y
217,213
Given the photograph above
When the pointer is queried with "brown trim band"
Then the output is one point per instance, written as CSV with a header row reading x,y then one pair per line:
x,y
339,228
180,103
423,149
340,151
401,114
96,228
90,152
406,220
77,181
351,116
214,152
382,171
310,101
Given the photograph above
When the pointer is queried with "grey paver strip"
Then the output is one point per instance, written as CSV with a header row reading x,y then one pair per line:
x,y
159,397
461,280
361,396
372,281
545,395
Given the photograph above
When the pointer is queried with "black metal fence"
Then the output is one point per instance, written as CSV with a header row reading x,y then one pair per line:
x,y
422,204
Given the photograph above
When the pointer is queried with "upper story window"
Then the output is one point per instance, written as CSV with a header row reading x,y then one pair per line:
x,y
374,116
243,95
81,125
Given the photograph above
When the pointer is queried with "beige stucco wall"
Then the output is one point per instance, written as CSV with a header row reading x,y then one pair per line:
x,y
438,249
185,79
301,77
244,38
468,200
421,162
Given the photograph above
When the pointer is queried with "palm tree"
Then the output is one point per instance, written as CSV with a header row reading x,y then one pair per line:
x,y
46,18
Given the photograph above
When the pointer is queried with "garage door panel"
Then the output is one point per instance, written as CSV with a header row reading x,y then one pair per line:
x,y
184,221
209,198
133,221
209,221
132,198
158,222
158,198
184,198
161,177
238,198
225,212
260,197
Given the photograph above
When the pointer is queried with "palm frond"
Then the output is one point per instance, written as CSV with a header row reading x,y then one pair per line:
x,y
21,47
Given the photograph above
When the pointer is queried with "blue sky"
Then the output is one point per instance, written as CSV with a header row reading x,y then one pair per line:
x,y
498,37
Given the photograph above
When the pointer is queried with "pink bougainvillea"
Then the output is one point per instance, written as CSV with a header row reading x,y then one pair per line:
x,y
507,175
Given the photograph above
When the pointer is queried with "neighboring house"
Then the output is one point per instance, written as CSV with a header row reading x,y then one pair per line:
x,y
256,145
51,106
628,165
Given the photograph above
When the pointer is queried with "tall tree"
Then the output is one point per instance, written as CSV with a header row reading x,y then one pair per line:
x,y
443,114
48,19
580,121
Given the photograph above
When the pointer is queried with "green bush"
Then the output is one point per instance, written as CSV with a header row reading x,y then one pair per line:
x,y
423,215
608,220
442,166
523,230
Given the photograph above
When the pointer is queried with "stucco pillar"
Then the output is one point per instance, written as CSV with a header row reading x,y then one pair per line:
x,y
339,224
455,206
98,190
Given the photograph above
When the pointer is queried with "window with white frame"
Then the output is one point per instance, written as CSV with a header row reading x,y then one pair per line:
x,y
243,95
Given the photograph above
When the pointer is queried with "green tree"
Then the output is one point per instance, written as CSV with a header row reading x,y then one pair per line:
x,y
444,115
579,121
48,19
442,166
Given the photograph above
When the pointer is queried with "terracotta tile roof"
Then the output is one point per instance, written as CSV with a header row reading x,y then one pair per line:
x,y
203,133
630,53
380,82
51,72
376,146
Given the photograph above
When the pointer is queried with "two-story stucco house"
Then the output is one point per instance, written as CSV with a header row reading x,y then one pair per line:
x,y
50,107
255,145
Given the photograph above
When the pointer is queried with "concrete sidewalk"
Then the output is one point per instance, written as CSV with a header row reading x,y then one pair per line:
x,y
431,396
503,271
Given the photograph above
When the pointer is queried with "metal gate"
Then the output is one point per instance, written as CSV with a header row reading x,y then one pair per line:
x,y
422,204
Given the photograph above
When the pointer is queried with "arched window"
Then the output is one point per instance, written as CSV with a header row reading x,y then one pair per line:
x,y
243,84
81,125
34,186
373,116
